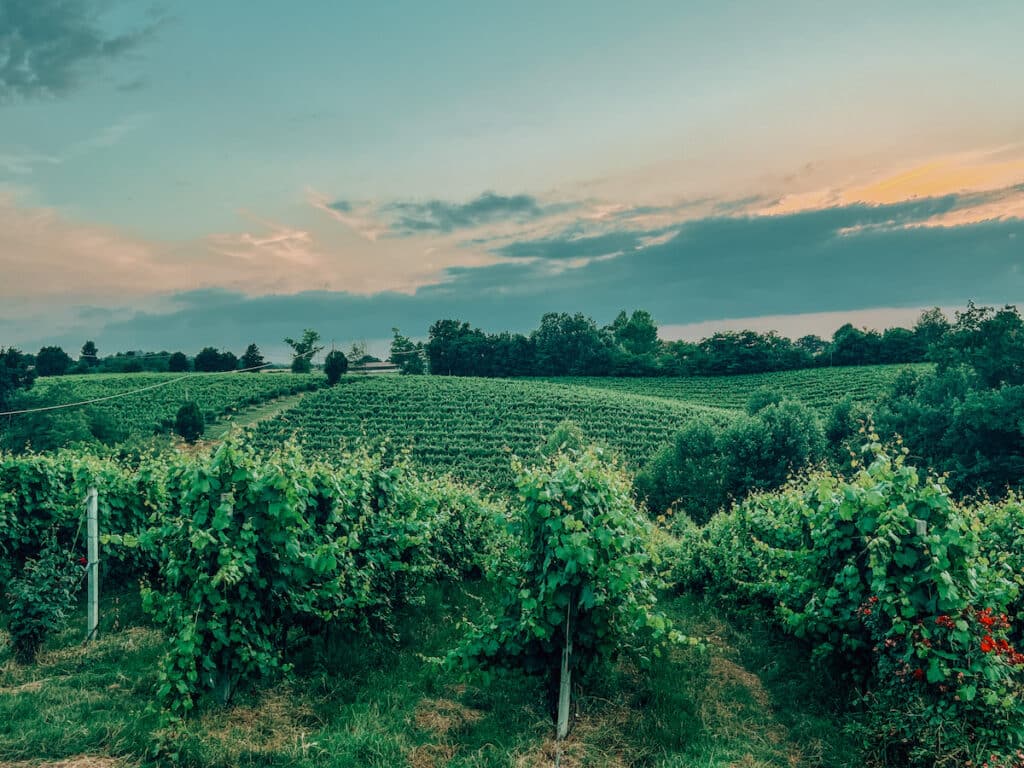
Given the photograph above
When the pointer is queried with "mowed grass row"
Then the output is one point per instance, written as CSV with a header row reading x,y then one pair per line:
x,y
816,387
472,427
146,408
352,702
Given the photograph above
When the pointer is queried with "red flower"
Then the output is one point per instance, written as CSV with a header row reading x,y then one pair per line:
x,y
919,674
83,561
987,644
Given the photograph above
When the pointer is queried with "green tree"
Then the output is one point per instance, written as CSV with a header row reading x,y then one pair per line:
x,y
208,360
14,374
252,358
335,366
177,363
305,350
189,422
406,355
90,354
52,361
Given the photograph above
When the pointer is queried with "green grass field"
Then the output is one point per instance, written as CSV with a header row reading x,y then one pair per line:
x,y
472,427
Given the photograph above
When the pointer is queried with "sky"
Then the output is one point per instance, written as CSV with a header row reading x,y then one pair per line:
x,y
190,173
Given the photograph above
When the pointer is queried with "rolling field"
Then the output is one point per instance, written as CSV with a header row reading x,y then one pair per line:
x,y
159,395
471,427
816,387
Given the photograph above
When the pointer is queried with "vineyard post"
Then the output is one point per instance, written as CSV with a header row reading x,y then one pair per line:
x,y
565,686
93,561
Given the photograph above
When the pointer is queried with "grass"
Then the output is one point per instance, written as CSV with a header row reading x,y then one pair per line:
x,y
748,702
251,416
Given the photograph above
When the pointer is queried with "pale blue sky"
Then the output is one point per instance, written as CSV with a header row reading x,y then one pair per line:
x,y
260,148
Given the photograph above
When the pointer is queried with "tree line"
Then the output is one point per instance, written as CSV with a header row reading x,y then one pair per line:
x,y
575,345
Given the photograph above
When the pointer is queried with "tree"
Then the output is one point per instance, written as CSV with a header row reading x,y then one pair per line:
x,y
252,358
177,363
208,360
90,354
227,362
305,349
406,355
189,422
14,374
637,334
929,329
335,366
52,361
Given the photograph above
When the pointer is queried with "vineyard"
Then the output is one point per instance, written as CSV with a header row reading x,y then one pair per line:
x,y
816,387
435,571
471,427
157,396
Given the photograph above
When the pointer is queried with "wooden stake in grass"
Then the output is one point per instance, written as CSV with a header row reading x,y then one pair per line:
x,y
565,687
93,565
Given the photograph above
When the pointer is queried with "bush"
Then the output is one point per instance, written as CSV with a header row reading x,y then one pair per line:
x,y
189,422
39,599
582,551
888,582
335,366
706,467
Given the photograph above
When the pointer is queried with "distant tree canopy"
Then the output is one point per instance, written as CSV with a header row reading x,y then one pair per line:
x,y
211,360
967,417
52,361
252,358
15,375
90,354
304,350
574,345
409,357
177,363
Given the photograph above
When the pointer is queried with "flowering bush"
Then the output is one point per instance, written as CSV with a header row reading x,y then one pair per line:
x,y
886,578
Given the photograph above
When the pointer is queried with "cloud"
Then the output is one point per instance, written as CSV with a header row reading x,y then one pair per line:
x,y
47,47
712,271
576,247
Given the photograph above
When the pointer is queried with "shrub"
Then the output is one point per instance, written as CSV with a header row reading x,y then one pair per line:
x,y
189,422
39,599
335,366
582,552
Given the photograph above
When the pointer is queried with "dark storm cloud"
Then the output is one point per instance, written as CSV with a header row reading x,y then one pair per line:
x,y
406,218
47,47
573,247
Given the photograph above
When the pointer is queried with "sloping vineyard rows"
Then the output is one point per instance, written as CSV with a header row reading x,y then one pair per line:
x,y
469,427
817,387
153,410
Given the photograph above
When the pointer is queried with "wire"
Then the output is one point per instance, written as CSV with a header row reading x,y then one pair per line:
x,y
125,394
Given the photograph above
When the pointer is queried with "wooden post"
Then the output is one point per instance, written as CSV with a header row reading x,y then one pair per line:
x,y
93,565
565,687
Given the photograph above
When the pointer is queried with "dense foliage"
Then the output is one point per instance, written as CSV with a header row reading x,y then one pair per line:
x,y
584,575
889,582
575,345
335,366
15,375
39,599
188,423
967,418
706,466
